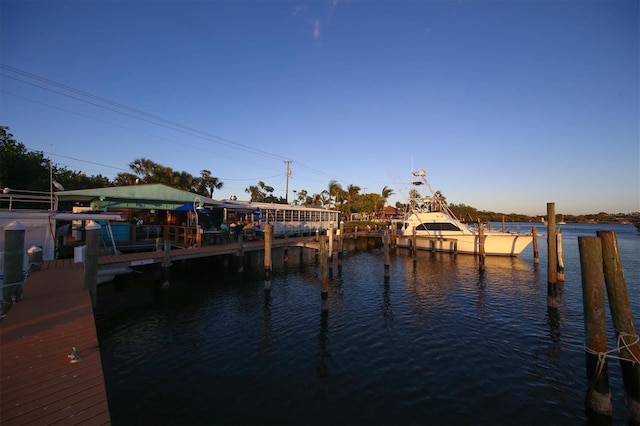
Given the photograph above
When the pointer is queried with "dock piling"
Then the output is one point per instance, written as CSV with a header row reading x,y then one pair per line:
x,y
267,257
552,267
92,232
598,397
166,263
536,256
385,248
560,269
14,234
324,280
481,251
623,322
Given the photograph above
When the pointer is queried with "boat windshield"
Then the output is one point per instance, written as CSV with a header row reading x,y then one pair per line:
x,y
437,226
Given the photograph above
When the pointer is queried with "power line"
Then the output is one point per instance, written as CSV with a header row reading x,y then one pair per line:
x,y
138,114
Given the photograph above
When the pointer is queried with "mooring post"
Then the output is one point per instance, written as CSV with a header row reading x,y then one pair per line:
x,y
267,256
324,281
534,235
317,235
385,248
481,245
552,264
92,232
166,263
14,234
560,271
623,322
414,240
285,253
240,255
598,397
341,230
330,233
504,228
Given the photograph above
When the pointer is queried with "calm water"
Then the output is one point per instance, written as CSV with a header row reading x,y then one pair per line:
x,y
436,344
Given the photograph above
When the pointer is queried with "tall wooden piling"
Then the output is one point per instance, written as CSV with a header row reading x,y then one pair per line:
x,y
267,257
598,396
330,251
414,245
560,269
536,256
623,322
166,263
285,253
14,234
481,252
324,280
385,248
552,267
240,254
92,232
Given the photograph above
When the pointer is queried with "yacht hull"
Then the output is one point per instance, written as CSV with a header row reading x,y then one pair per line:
x,y
495,244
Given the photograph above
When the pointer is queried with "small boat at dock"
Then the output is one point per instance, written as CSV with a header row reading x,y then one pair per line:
x,y
437,228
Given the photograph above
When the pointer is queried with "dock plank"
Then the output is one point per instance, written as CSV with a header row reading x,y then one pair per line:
x,y
38,383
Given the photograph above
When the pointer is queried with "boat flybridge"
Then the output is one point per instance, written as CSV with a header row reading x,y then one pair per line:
x,y
437,228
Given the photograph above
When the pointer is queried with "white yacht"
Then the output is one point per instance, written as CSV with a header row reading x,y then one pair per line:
x,y
437,228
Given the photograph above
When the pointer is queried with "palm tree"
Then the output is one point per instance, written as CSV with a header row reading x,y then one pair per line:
x,y
351,194
334,188
209,183
386,193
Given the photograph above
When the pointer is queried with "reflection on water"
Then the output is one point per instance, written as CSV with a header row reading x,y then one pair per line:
x,y
437,342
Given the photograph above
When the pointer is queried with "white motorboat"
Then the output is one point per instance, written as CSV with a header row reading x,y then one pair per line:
x,y
437,228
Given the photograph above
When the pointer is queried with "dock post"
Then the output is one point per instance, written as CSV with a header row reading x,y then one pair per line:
x,y
623,322
598,397
414,240
341,235
560,271
481,245
285,252
14,234
387,258
534,235
166,263
504,228
552,264
317,235
240,256
330,251
92,231
330,234
324,281
267,257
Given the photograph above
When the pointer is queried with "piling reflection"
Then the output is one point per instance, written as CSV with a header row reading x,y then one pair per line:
x,y
322,370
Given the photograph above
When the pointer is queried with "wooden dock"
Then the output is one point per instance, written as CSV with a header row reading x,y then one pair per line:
x,y
150,257
38,383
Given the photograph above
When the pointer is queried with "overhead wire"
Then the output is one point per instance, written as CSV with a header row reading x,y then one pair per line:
x,y
138,114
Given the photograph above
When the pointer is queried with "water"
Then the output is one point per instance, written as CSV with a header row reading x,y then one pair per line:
x,y
436,344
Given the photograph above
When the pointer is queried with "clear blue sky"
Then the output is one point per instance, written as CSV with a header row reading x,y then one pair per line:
x,y
507,105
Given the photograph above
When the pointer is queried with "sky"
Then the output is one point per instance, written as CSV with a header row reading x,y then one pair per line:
x,y
507,105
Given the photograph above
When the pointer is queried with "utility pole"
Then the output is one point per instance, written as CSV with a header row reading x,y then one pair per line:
x,y
286,197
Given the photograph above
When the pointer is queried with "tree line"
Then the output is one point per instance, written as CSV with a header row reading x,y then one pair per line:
x,y
21,168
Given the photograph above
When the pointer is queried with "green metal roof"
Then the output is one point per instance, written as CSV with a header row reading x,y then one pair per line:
x,y
144,196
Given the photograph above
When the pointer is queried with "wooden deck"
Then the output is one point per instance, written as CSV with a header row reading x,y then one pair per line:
x,y
148,257
38,383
